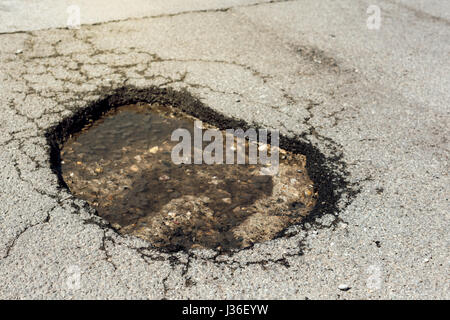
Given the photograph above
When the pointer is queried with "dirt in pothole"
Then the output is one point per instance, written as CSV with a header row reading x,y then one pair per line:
x,y
121,165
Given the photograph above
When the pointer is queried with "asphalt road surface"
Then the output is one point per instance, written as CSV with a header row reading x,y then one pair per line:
x,y
373,98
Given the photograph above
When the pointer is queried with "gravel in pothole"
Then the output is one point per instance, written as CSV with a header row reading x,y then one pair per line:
x,y
121,165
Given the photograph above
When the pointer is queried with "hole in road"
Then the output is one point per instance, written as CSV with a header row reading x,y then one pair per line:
x,y
121,163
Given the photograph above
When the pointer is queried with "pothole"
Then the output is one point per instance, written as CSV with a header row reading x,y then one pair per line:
x,y
115,154
122,165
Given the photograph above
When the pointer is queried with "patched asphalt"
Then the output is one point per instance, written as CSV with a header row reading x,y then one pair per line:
x,y
372,103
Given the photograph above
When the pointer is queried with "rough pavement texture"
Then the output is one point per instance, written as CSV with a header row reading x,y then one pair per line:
x,y
305,67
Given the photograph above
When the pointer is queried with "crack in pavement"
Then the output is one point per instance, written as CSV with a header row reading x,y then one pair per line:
x,y
12,243
168,15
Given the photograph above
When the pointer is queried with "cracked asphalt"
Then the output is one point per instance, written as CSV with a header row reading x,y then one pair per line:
x,y
313,70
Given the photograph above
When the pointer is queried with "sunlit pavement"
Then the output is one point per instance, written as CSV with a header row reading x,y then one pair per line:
x,y
374,91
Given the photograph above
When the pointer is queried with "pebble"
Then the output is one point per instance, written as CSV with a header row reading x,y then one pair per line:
x,y
116,226
134,168
227,200
344,287
153,150
164,178
262,147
